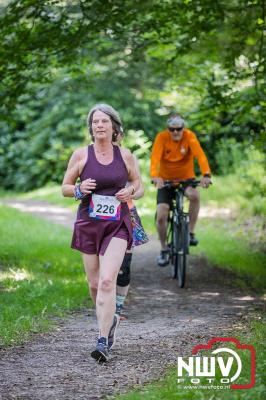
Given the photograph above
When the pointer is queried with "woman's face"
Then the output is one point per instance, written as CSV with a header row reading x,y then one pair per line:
x,y
102,127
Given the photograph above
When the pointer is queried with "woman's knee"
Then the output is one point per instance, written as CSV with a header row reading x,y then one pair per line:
x,y
107,284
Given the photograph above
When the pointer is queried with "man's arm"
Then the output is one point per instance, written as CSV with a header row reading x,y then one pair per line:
x,y
156,156
199,154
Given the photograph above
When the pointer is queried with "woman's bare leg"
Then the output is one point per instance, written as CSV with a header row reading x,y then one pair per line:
x,y
91,266
110,264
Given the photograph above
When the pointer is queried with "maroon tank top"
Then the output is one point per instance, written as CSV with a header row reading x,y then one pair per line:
x,y
109,178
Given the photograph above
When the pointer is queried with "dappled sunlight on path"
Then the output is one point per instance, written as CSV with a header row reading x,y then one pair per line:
x,y
214,212
60,215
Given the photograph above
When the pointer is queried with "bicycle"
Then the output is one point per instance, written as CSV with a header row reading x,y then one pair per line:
x,y
178,230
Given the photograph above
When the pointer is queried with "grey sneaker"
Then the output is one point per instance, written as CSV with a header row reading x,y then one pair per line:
x,y
163,258
193,241
112,332
101,352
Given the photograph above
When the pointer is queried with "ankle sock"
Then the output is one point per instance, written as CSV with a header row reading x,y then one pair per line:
x,y
120,299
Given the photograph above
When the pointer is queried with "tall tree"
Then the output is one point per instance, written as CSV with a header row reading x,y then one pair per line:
x,y
37,36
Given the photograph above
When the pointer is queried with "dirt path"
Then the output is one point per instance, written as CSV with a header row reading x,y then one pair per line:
x,y
164,322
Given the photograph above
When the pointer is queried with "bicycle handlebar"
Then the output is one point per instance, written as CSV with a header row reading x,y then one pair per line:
x,y
181,183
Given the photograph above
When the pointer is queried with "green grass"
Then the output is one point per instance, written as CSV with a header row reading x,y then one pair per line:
x,y
51,193
40,276
225,246
220,193
237,193
167,389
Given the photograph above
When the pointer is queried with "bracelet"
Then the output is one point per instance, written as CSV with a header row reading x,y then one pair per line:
x,y
133,190
78,193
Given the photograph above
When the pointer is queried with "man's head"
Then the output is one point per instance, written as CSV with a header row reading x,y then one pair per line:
x,y
175,124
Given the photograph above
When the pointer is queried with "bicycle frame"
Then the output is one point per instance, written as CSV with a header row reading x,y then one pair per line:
x,y
176,215
178,232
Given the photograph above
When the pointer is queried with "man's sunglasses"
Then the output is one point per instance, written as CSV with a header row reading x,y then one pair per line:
x,y
175,129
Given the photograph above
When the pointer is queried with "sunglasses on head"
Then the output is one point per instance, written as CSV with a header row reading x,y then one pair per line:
x,y
175,129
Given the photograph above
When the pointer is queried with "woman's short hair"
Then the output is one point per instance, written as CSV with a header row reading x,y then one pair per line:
x,y
113,114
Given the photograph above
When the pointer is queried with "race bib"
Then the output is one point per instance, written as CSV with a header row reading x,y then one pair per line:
x,y
104,207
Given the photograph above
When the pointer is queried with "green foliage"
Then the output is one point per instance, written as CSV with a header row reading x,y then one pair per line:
x,y
39,35
205,59
248,164
48,128
139,144
230,155
252,173
228,122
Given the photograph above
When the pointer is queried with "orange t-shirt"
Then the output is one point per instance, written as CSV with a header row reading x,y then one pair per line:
x,y
175,159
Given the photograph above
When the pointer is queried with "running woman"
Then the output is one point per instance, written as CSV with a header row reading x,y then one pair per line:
x,y
103,229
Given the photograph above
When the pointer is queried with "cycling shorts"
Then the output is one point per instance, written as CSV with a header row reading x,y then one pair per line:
x,y
165,195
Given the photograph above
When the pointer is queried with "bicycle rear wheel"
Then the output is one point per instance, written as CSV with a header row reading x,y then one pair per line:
x,y
182,252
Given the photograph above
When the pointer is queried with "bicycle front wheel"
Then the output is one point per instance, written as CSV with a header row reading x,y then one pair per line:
x,y
174,250
182,252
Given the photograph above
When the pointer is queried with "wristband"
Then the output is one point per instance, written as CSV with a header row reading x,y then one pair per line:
x,y
207,176
78,193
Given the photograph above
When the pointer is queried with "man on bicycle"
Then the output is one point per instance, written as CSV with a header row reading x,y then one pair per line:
x,y
172,158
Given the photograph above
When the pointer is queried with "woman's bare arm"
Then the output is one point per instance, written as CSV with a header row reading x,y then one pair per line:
x,y
140,191
133,178
72,173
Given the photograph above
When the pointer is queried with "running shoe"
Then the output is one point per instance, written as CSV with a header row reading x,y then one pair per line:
x,y
101,352
193,241
163,258
112,332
